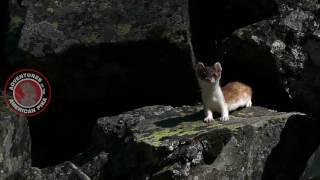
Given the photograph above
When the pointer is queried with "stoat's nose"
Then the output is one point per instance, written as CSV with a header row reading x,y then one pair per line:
x,y
212,80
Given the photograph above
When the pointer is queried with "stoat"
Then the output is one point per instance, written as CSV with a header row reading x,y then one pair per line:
x,y
216,99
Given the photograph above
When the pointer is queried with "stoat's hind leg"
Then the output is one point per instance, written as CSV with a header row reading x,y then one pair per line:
x,y
245,102
249,103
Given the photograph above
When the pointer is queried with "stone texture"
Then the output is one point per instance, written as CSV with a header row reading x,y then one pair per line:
x,y
83,167
15,143
55,26
312,169
65,170
291,42
17,16
162,142
91,163
107,44
299,139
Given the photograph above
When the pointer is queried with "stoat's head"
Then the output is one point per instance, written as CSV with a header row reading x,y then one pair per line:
x,y
209,74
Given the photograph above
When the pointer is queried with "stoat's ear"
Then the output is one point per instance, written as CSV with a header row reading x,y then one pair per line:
x,y
199,66
218,69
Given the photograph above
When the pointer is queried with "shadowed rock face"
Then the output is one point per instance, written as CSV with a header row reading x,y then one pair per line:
x,y
162,142
312,168
96,54
88,170
15,143
290,44
88,82
213,21
298,140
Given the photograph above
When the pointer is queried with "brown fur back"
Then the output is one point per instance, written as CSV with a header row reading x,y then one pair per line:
x,y
234,91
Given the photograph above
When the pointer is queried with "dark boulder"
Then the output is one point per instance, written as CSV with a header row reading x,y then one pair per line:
x,y
65,170
312,169
15,143
284,47
162,142
85,167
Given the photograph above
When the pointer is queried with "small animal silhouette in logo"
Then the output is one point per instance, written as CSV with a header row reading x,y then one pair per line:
x,y
29,97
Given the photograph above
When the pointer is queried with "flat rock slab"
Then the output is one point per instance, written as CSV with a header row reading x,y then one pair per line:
x,y
163,142
159,131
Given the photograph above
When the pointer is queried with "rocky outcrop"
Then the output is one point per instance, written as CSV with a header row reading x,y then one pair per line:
x,y
162,142
66,170
115,46
56,26
289,43
298,140
83,167
15,143
16,15
312,169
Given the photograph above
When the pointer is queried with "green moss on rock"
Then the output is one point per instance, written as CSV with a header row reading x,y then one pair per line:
x,y
92,38
191,128
15,22
123,29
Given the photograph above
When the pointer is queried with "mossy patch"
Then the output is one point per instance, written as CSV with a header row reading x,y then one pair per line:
x,y
50,10
156,136
91,38
15,22
123,29
4,110
55,25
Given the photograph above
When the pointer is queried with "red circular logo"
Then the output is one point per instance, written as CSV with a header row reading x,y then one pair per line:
x,y
27,92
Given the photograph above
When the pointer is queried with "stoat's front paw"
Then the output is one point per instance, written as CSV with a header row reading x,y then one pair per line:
x,y
208,119
224,118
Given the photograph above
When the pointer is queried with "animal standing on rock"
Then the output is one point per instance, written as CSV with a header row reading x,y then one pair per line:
x,y
216,99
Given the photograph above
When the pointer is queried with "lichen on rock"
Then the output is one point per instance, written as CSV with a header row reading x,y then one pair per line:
x,y
94,22
172,143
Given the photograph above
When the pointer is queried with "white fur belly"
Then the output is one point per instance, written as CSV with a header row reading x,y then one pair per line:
x,y
211,103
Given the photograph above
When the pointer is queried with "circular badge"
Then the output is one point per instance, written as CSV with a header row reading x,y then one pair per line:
x,y
27,92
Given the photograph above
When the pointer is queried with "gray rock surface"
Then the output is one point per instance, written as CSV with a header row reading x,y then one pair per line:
x,y
17,16
65,170
290,41
91,163
55,26
15,143
312,171
85,167
162,142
